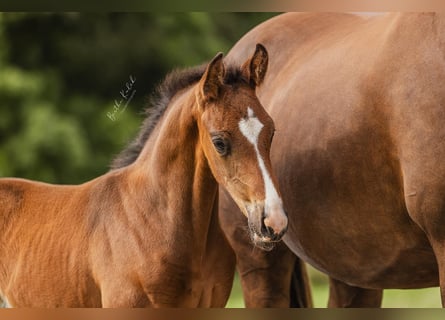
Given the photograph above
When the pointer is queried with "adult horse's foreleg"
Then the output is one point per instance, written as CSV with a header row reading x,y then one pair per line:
x,y
342,295
273,279
268,279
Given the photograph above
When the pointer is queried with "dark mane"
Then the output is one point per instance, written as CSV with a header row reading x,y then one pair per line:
x,y
173,82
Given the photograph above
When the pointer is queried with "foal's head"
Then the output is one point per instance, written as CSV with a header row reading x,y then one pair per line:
x,y
236,134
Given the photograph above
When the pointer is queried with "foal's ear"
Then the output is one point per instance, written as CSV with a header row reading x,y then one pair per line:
x,y
254,69
212,79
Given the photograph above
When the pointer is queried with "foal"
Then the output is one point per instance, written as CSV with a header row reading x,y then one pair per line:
x,y
136,236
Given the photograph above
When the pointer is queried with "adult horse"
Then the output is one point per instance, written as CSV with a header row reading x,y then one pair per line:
x,y
359,107
138,235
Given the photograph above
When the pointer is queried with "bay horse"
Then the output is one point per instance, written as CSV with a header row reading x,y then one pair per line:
x,y
140,234
359,107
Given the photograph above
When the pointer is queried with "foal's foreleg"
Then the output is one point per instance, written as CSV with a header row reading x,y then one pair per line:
x,y
342,295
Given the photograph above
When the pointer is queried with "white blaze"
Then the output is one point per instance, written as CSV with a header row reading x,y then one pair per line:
x,y
251,128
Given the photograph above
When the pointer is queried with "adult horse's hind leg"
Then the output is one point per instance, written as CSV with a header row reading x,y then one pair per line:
x,y
342,295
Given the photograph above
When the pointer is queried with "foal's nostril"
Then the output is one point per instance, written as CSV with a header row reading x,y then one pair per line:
x,y
268,231
271,233
264,229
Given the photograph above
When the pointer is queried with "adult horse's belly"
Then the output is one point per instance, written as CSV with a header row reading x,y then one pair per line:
x,y
347,213
377,259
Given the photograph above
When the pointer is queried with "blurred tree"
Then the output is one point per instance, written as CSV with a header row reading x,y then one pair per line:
x,y
61,73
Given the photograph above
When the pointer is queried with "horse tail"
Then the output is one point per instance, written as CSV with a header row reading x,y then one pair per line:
x,y
300,288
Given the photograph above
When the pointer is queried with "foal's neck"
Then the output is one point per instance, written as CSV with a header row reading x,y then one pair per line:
x,y
173,178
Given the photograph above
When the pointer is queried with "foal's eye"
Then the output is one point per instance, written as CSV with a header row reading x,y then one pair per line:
x,y
221,145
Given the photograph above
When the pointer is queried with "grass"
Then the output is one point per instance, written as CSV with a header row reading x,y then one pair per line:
x,y
419,298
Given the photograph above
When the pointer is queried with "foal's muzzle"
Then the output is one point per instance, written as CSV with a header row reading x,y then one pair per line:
x,y
267,227
269,232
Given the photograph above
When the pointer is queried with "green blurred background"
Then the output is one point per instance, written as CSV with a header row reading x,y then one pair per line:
x,y
60,75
